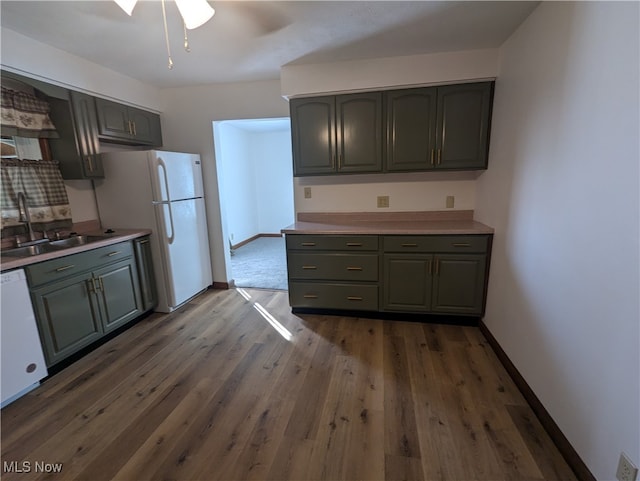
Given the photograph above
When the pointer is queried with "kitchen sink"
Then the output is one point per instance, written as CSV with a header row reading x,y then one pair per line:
x,y
28,251
51,246
78,240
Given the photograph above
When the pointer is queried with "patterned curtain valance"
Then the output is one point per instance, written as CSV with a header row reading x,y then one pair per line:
x,y
25,115
42,184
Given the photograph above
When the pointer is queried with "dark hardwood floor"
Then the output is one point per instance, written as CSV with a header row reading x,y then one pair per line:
x,y
233,386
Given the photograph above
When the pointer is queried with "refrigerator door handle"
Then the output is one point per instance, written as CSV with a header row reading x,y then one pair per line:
x,y
170,238
165,197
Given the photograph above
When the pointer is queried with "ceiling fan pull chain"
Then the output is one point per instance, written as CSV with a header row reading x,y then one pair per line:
x,y
187,48
166,35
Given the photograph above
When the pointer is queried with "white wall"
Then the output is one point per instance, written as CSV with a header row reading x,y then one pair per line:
x,y
237,182
382,73
562,195
187,126
273,174
33,59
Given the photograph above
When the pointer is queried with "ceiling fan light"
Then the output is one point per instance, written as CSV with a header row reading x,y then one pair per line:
x,y
195,12
127,5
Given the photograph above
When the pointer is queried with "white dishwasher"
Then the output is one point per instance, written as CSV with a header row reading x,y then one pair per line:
x,y
21,356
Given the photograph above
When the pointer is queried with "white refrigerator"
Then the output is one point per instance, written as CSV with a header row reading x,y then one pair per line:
x,y
161,191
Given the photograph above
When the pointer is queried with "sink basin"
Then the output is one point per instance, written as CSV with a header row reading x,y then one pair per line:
x,y
78,240
28,251
52,246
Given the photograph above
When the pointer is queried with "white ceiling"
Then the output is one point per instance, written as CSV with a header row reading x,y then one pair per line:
x,y
247,40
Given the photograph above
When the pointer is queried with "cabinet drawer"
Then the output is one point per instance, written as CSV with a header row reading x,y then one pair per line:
x,y
339,267
356,297
436,243
63,267
332,242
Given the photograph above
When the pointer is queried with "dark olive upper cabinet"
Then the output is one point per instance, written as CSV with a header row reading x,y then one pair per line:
x,y
128,125
77,146
313,135
411,129
359,132
408,130
341,134
463,125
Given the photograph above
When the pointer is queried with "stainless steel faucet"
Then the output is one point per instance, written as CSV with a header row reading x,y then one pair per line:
x,y
24,214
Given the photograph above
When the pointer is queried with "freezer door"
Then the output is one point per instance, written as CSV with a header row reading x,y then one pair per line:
x,y
185,248
175,176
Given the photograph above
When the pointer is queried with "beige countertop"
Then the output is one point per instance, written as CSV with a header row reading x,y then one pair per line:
x,y
392,223
119,235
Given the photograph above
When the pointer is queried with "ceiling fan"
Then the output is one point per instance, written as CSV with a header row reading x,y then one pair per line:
x,y
195,13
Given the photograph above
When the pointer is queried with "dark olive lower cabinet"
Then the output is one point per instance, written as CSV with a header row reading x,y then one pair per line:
x,y
437,274
80,297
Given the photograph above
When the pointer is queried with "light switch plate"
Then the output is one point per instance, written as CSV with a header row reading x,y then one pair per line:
x,y
307,192
383,201
450,201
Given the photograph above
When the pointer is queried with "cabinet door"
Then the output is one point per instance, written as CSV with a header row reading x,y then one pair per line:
x,y
313,135
459,283
67,315
119,293
113,120
410,129
145,273
359,132
84,112
464,113
145,126
407,282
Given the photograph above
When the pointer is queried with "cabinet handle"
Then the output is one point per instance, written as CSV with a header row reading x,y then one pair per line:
x,y
64,268
101,284
308,244
433,153
461,244
439,156
114,253
410,245
333,161
90,162
146,241
437,273
310,296
339,161
129,127
354,244
134,128
91,286
429,269
354,298
309,267
354,268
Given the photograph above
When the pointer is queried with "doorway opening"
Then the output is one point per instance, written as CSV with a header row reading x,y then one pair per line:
x,y
255,181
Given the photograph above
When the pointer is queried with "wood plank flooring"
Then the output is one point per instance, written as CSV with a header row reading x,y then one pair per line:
x,y
233,386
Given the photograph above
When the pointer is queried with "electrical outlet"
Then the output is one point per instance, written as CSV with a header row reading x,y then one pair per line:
x,y
307,192
383,201
450,201
627,471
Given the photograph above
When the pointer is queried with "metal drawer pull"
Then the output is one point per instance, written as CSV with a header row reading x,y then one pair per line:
x,y
310,296
309,267
354,298
409,245
146,241
91,286
354,268
90,163
64,268
354,244
308,244
437,267
439,156
114,253
432,155
461,244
